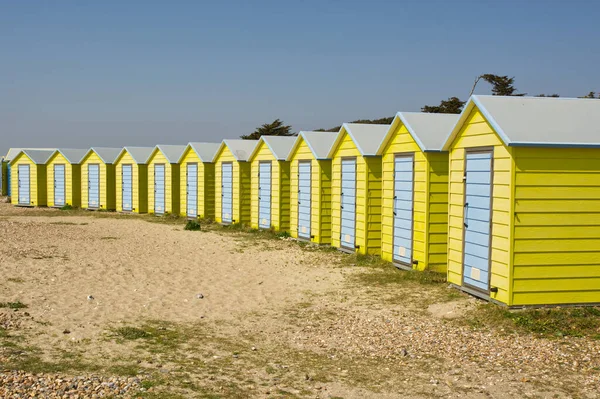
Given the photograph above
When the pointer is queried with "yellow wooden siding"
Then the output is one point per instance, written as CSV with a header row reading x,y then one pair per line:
x,y
142,183
126,159
107,182
373,205
159,158
241,187
437,216
208,190
206,185
324,192
37,181
264,154
244,179
59,159
346,148
402,143
556,226
476,132
284,195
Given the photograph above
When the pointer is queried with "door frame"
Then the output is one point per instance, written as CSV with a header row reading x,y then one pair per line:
x,y
476,290
164,188
342,247
98,205
122,191
270,194
402,265
310,235
187,183
19,184
222,218
64,184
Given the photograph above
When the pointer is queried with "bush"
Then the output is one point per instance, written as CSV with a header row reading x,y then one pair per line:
x,y
66,207
283,234
192,225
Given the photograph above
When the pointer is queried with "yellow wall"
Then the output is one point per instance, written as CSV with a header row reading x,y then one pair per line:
x,y
368,197
556,226
430,213
171,183
107,182
206,185
320,215
72,181
476,132
139,187
37,181
280,189
241,187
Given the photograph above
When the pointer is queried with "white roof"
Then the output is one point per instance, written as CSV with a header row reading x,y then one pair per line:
x,y
74,156
171,152
428,130
241,149
107,155
280,146
38,157
366,137
13,152
537,121
319,143
205,151
140,155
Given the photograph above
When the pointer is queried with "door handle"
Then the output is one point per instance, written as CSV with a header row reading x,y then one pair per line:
x,y
466,214
395,203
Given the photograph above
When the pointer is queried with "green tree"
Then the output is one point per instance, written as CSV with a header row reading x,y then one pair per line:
x,y
591,94
380,121
501,85
548,95
453,105
275,128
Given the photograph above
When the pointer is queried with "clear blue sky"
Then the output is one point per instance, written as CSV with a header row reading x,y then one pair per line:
x,y
113,73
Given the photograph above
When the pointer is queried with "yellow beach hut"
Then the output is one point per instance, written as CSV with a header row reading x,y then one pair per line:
x,y
232,181
197,186
524,225
131,170
63,171
356,188
6,171
163,179
98,178
28,182
414,211
270,187
310,187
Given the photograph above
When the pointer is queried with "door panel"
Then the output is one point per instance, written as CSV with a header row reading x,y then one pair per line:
x,y
403,208
264,195
348,204
127,184
477,213
227,192
93,186
24,185
192,190
304,199
59,185
159,189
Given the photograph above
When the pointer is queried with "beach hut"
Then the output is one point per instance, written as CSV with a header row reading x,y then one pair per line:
x,y
131,171
524,202
28,170
98,178
6,172
197,186
63,171
270,187
3,176
356,188
163,179
414,211
232,181
310,187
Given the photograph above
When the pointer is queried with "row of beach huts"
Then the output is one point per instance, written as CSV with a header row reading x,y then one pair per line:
x,y
504,197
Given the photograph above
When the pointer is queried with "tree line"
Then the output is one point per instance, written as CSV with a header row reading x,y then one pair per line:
x,y
501,86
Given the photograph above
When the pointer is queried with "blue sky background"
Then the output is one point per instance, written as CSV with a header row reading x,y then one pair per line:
x,y
113,73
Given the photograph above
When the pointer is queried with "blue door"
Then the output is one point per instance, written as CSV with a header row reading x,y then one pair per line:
x,y
264,195
24,186
227,192
348,204
403,209
304,199
127,186
8,187
59,185
159,189
191,193
93,186
477,219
